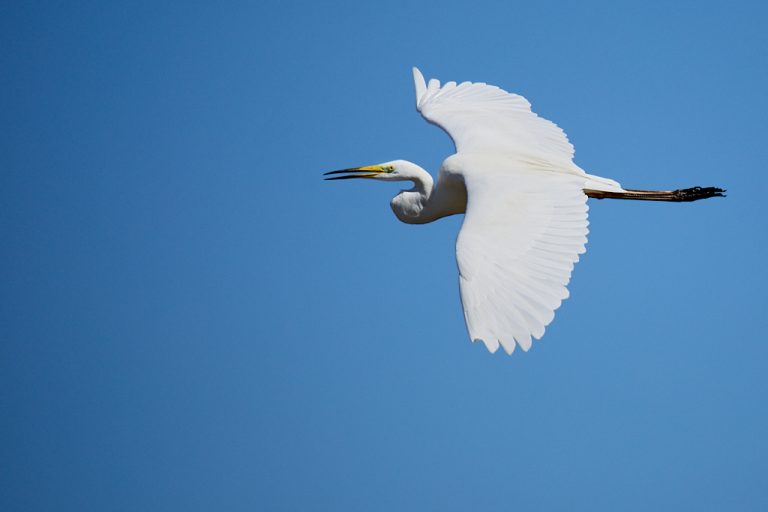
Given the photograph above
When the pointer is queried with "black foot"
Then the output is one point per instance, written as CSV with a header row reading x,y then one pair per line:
x,y
696,193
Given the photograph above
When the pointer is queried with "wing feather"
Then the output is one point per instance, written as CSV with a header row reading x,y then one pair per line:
x,y
526,218
481,117
512,280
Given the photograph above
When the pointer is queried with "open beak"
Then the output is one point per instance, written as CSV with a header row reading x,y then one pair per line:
x,y
370,171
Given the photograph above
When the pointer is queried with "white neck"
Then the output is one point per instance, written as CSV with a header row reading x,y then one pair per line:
x,y
425,202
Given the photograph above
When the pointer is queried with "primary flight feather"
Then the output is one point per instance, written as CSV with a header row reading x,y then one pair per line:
x,y
524,200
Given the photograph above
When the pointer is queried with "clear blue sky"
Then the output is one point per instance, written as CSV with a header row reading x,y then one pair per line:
x,y
191,319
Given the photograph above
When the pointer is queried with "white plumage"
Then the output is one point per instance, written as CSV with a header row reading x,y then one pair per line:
x,y
526,215
525,203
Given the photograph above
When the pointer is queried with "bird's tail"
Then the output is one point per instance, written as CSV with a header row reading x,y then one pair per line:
x,y
679,195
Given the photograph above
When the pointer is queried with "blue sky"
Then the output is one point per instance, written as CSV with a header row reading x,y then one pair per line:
x,y
193,320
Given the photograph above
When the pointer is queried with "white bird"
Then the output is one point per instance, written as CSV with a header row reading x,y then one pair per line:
x,y
524,200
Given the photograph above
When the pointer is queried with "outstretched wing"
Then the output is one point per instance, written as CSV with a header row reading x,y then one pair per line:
x,y
522,234
524,229
485,118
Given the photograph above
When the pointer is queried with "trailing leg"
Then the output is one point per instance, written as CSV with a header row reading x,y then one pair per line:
x,y
679,195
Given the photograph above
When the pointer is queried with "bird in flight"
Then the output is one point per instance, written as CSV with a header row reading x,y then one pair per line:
x,y
524,202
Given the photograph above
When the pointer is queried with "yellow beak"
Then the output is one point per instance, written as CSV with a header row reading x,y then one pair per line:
x,y
370,171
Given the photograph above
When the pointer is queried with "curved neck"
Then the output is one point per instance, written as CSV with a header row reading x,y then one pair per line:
x,y
423,183
426,202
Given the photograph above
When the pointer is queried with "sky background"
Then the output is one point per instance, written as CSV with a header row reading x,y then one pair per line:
x,y
191,319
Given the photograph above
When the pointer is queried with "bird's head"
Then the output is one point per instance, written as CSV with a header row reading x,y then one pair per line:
x,y
396,170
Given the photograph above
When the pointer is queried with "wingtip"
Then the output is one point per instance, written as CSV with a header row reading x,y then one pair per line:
x,y
420,85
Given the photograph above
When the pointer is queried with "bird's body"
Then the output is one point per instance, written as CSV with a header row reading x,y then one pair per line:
x,y
524,201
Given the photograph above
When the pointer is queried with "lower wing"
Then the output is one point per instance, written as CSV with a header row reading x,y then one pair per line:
x,y
522,234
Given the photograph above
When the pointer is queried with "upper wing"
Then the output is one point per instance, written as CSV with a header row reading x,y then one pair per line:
x,y
485,118
522,234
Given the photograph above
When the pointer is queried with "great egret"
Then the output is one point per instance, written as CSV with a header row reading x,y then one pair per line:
x,y
525,205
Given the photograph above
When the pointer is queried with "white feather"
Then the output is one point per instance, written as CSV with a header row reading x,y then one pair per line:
x,y
526,213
